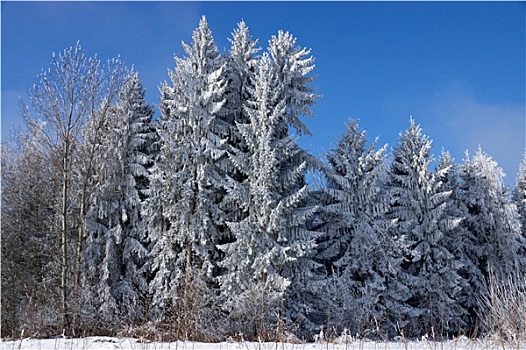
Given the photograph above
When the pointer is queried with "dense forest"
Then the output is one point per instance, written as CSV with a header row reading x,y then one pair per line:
x,y
201,223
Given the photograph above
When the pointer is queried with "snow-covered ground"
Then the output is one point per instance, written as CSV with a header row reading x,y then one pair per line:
x,y
110,343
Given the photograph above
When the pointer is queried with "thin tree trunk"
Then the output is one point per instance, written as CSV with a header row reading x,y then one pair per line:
x,y
80,234
63,280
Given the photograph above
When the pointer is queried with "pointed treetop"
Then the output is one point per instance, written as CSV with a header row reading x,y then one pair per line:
x,y
203,44
521,176
483,172
486,163
414,128
413,137
445,162
242,43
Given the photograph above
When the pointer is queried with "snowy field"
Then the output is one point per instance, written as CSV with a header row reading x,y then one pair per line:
x,y
110,343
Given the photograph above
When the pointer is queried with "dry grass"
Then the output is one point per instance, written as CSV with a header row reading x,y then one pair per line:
x,y
503,310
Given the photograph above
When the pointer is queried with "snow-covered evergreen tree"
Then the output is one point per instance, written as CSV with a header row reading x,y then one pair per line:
x,y
187,179
134,137
492,219
459,241
116,246
241,66
271,247
353,176
423,227
355,250
292,65
255,259
519,194
447,172
241,69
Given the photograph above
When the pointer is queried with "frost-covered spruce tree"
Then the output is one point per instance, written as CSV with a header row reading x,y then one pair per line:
x,y
116,246
355,249
134,136
293,64
271,247
163,249
447,175
188,182
460,240
255,259
492,219
447,172
519,194
241,66
422,227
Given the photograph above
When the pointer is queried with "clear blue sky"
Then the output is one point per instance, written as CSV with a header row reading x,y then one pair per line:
x,y
457,67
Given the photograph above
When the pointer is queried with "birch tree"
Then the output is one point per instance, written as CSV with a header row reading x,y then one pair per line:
x,y
76,90
63,97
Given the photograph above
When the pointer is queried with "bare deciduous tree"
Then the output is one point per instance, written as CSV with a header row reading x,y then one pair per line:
x,y
73,91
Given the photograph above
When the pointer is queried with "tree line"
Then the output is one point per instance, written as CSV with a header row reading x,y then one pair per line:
x,y
201,223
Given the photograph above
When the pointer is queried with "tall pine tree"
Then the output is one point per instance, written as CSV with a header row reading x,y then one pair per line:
x,y
187,185
492,220
355,249
271,246
423,227
293,66
460,241
116,248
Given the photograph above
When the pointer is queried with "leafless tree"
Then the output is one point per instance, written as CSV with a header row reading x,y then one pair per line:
x,y
73,92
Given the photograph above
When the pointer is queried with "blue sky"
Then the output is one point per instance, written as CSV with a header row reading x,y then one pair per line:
x,y
457,67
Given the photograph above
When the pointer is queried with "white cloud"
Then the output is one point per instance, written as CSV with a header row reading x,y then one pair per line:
x,y
468,122
456,119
